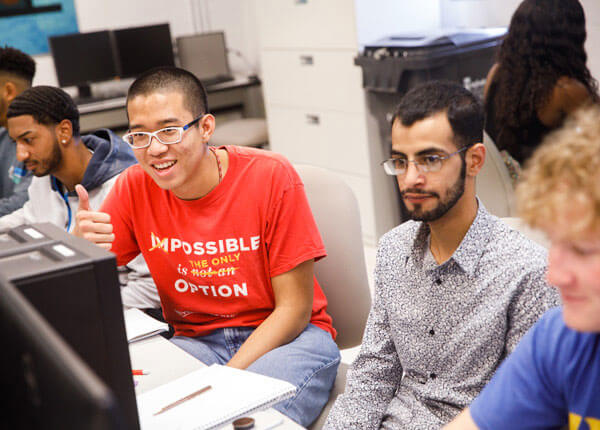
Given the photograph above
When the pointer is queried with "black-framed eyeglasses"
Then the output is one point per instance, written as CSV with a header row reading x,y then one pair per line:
x,y
424,163
167,136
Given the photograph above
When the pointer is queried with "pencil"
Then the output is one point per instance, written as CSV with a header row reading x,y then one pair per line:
x,y
183,399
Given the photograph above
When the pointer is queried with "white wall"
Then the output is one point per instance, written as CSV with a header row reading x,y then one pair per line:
x,y
380,18
477,13
235,17
592,45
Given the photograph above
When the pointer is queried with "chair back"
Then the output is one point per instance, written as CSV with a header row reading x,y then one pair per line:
x,y
342,274
494,186
535,235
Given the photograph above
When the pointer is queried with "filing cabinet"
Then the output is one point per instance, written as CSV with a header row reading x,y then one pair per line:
x,y
313,78
298,24
314,100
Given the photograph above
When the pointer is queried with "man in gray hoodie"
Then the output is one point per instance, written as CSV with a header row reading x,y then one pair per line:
x,y
44,123
16,73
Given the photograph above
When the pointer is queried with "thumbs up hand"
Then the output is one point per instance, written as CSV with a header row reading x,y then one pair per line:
x,y
84,198
92,225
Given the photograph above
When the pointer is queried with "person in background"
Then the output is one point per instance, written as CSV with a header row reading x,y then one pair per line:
x,y
552,378
16,74
44,123
539,78
229,238
455,287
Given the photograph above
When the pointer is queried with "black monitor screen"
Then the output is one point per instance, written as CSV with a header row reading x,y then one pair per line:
x,y
143,48
46,384
82,58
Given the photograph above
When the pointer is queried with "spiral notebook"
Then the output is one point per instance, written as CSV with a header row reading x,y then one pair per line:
x,y
233,393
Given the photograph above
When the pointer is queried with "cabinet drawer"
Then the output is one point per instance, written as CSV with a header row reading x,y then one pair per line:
x,y
327,80
329,24
332,140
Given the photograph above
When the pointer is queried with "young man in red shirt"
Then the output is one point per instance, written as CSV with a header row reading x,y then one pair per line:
x,y
229,238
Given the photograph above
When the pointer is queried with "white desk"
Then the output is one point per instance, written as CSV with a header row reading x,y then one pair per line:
x,y
166,362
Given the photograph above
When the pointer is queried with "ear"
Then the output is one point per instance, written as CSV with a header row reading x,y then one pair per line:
x,y
207,127
64,131
9,91
475,157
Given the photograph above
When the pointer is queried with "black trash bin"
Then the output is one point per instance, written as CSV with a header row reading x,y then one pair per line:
x,y
394,64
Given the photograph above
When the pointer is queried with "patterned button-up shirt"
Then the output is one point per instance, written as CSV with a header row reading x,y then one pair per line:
x,y
436,333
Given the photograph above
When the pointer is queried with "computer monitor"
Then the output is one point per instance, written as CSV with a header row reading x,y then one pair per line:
x,y
83,58
143,48
74,285
205,55
47,384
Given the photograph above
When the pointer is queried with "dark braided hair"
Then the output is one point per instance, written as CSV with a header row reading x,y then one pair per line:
x,y
47,105
17,63
545,41
172,78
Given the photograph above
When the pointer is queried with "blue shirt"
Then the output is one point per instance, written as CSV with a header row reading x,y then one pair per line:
x,y
551,379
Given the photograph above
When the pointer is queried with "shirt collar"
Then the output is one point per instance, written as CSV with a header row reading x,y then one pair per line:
x,y
473,245
470,250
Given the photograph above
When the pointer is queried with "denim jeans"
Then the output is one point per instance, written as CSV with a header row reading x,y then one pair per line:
x,y
309,362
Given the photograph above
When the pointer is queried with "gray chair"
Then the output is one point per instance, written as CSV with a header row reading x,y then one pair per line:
x,y
494,186
342,274
241,132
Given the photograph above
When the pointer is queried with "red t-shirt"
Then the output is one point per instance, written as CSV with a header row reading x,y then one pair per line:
x,y
213,258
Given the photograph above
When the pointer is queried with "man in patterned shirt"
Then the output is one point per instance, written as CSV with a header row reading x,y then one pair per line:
x,y
455,288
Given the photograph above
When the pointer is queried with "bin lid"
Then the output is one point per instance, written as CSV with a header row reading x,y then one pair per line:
x,y
445,38
440,37
385,62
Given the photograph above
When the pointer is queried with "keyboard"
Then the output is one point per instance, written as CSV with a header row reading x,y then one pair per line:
x,y
207,82
97,98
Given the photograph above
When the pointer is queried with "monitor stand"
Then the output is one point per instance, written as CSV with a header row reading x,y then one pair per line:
x,y
84,91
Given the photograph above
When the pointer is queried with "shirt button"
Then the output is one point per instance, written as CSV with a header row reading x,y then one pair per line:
x,y
438,282
432,375
431,332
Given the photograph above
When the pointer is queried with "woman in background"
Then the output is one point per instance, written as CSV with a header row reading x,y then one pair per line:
x,y
539,78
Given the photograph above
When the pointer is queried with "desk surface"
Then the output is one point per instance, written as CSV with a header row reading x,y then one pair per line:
x,y
166,362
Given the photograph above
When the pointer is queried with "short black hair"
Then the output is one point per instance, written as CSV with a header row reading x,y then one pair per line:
x,y
172,78
464,111
18,63
47,105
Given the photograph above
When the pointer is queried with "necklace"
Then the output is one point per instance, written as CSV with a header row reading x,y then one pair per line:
x,y
214,151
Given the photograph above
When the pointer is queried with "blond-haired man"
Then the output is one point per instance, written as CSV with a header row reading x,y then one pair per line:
x,y
552,377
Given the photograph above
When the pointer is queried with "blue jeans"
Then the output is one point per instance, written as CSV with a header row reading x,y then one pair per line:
x,y
309,362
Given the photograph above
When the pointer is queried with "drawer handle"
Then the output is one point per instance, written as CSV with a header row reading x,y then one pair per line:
x,y
312,119
301,1
306,60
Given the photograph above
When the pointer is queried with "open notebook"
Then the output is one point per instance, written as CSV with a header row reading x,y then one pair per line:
x,y
139,325
234,393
